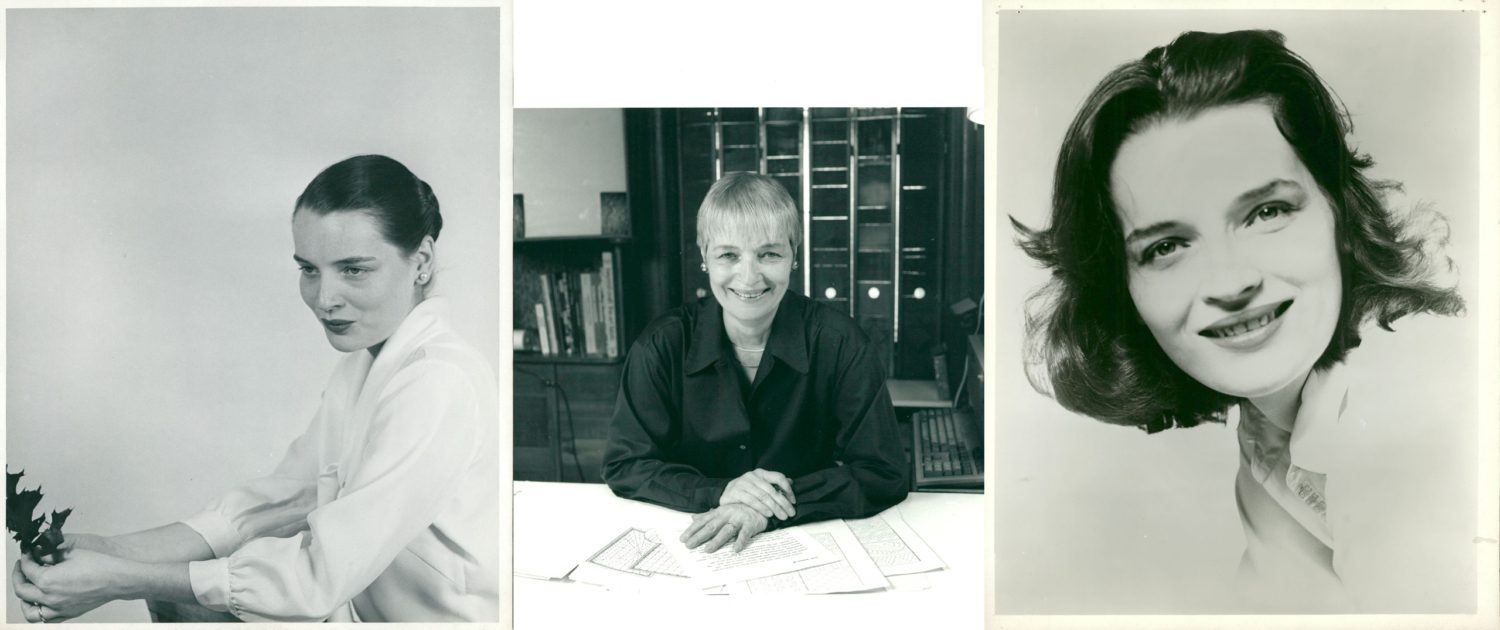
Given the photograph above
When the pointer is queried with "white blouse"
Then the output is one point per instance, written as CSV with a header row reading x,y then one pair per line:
x,y
385,509
1352,511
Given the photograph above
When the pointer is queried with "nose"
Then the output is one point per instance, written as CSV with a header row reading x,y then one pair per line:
x,y
1232,282
329,299
749,268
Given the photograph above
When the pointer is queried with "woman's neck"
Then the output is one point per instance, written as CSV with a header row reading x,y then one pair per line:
x,y
1280,406
749,334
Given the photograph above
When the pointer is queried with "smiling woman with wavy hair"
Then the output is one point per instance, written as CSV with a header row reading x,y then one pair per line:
x,y
1215,244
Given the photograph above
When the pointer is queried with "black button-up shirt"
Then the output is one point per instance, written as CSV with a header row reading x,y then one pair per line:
x,y
687,421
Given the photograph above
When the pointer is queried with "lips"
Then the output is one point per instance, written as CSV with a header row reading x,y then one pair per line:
x,y
749,295
1241,325
337,326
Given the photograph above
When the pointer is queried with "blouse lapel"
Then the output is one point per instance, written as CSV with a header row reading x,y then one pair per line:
x,y
420,326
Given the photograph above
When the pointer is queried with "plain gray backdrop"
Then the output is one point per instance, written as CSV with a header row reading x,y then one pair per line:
x,y
1092,518
157,349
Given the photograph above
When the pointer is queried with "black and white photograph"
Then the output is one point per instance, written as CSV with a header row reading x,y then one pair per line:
x,y
766,379
1239,268
252,293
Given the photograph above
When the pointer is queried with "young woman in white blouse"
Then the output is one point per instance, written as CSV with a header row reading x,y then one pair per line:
x,y
387,507
1216,245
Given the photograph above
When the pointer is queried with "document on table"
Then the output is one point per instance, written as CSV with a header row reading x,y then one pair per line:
x,y
769,553
636,561
854,570
894,546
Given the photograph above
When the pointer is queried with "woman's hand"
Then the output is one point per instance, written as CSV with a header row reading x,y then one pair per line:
x,y
91,542
767,491
84,581
715,528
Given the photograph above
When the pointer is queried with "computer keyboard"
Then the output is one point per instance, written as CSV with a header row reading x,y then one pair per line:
x,y
946,449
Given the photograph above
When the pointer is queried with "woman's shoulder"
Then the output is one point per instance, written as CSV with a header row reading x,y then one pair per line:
x,y
450,358
826,324
674,329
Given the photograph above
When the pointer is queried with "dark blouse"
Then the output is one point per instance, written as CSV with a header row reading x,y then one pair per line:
x,y
687,421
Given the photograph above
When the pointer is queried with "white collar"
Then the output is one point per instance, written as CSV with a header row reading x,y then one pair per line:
x,y
1320,434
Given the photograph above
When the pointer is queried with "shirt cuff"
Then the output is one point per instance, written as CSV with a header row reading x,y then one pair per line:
x,y
706,496
216,530
210,582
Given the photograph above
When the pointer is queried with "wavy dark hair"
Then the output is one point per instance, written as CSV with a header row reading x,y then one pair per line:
x,y
1087,345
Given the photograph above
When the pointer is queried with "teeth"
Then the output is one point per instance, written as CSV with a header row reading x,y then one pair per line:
x,y
1243,327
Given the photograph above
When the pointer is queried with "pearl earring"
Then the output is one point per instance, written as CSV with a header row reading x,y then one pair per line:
x,y
703,266
422,278
794,265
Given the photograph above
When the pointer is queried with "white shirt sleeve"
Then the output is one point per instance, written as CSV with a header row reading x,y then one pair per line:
x,y
419,443
275,506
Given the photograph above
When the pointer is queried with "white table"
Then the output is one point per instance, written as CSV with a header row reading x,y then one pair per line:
x,y
577,519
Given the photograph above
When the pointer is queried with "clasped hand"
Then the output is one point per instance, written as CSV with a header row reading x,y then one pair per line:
x,y
715,528
766,491
62,591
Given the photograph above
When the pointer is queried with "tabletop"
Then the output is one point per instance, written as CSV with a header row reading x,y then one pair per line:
x,y
571,520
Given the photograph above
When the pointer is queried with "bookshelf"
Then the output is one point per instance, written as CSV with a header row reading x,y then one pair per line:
x,y
564,396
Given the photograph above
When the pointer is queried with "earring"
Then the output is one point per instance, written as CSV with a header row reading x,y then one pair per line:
x,y
794,265
422,278
703,266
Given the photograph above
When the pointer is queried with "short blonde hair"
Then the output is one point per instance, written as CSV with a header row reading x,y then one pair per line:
x,y
749,202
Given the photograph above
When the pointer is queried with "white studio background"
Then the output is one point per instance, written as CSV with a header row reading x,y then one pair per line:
x,y
157,349
1092,518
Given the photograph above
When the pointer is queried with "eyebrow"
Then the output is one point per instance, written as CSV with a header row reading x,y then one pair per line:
x,y
1265,190
1151,231
352,260
768,245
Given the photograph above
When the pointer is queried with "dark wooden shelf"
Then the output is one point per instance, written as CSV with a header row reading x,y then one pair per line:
x,y
582,239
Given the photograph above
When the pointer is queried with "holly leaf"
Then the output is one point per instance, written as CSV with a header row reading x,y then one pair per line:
x,y
58,518
19,506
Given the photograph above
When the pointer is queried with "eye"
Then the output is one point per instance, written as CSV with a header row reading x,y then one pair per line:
x,y
307,270
1161,249
770,255
355,272
729,256
1270,214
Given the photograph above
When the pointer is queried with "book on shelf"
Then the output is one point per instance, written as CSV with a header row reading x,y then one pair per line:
x,y
549,315
541,321
586,287
607,284
573,308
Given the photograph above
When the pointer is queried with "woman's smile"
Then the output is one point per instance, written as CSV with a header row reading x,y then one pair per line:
x,y
1249,327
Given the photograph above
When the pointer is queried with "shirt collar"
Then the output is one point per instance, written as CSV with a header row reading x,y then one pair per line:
x,y
788,342
1322,420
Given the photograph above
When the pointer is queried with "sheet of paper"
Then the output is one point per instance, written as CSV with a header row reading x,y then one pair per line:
x,y
636,562
769,553
854,571
894,545
554,546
